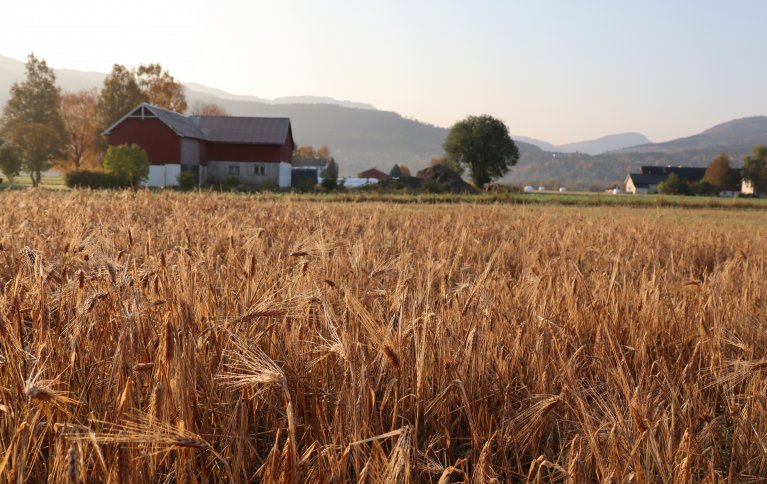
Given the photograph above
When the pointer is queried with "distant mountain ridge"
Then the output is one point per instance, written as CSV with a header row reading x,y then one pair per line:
x,y
591,147
199,89
738,132
606,143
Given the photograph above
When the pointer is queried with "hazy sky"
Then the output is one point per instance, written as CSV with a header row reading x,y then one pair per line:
x,y
560,71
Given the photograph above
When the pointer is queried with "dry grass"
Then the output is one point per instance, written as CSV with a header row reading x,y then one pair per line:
x,y
198,338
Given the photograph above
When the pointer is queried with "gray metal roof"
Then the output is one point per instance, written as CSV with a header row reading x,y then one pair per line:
x,y
221,129
230,129
310,162
179,123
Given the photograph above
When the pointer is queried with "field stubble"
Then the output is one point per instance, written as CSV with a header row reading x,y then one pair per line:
x,y
200,337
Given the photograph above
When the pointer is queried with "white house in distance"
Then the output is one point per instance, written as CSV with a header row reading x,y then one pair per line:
x,y
252,150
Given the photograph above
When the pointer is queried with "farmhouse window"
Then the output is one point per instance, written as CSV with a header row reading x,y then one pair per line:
x,y
259,170
234,170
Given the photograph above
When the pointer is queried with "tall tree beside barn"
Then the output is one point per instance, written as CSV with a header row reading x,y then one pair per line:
x,y
119,94
160,88
78,111
31,122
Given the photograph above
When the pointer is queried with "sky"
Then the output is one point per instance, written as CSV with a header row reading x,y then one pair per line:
x,y
556,70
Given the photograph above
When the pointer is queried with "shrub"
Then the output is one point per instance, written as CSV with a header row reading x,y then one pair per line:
x,y
130,163
187,181
230,183
305,185
93,179
269,186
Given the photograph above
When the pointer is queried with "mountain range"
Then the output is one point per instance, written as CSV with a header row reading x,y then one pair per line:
x,y
361,136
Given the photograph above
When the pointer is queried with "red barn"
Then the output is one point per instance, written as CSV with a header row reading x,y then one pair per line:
x,y
253,150
373,173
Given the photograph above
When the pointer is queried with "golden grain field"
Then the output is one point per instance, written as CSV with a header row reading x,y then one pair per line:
x,y
220,338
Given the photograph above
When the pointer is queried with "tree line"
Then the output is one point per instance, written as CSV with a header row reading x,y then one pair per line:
x,y
42,126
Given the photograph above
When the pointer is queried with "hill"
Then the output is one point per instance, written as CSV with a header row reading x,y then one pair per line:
x,y
606,143
738,133
581,171
591,147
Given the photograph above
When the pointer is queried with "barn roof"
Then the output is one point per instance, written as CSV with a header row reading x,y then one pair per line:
x,y
230,129
689,173
221,129
373,173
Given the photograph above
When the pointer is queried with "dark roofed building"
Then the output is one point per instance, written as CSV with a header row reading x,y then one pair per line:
x,y
650,177
252,150
307,170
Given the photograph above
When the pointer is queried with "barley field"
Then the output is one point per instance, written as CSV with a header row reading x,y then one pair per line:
x,y
222,338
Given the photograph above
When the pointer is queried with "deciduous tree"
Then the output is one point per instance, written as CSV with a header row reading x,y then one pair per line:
x,y
323,152
755,169
78,111
719,174
306,152
10,162
31,123
483,144
119,94
161,88
208,109
674,185
448,162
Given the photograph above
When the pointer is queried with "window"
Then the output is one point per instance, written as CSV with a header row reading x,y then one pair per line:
x,y
259,170
234,170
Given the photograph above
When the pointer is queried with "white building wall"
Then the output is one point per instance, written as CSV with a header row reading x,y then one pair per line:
x,y
284,177
630,188
156,176
163,176
171,175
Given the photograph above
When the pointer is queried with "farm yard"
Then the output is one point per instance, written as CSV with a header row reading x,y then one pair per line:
x,y
197,337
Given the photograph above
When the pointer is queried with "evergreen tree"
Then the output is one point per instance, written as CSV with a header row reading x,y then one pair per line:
x,y
395,172
330,174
